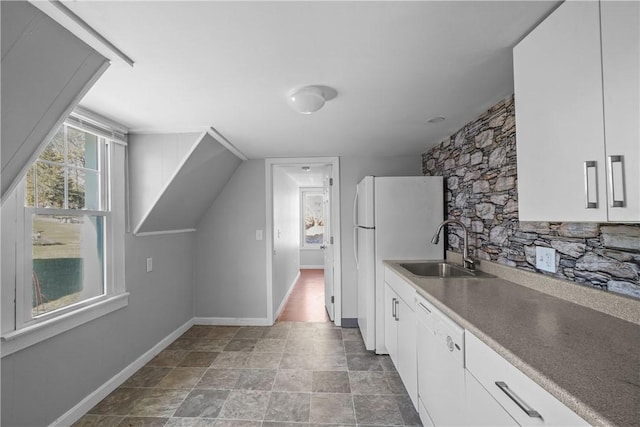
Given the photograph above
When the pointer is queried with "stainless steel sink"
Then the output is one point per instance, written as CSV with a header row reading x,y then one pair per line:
x,y
440,269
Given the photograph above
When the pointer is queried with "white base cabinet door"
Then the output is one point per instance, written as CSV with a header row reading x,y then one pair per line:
x,y
400,330
527,402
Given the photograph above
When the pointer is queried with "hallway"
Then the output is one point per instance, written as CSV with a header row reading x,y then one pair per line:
x,y
306,301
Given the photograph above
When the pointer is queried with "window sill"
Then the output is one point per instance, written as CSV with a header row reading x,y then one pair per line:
x,y
18,340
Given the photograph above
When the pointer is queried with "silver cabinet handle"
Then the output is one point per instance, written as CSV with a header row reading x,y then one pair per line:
x,y
397,315
393,308
591,203
616,181
521,403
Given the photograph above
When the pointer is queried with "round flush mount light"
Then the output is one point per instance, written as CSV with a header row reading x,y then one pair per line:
x,y
309,99
436,119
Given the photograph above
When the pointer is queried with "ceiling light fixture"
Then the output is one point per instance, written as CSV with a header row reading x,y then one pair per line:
x,y
309,99
305,168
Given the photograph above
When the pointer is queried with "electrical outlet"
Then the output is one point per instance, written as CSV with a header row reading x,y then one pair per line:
x,y
546,259
149,265
258,234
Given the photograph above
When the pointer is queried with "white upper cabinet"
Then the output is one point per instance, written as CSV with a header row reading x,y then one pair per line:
x,y
577,115
620,24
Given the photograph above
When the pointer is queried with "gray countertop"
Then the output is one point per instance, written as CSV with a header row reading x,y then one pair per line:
x,y
587,359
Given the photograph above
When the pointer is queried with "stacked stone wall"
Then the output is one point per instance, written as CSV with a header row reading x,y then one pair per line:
x,y
478,164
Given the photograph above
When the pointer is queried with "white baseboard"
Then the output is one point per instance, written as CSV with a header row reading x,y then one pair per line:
x,y
231,321
312,267
286,297
75,413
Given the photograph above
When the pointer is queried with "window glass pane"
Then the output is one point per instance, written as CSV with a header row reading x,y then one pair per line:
x,y
54,151
50,185
313,220
82,149
83,190
68,260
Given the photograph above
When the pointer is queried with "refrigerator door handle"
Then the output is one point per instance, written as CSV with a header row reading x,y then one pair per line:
x,y
355,208
355,245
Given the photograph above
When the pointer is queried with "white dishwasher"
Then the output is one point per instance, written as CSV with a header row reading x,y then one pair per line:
x,y
448,394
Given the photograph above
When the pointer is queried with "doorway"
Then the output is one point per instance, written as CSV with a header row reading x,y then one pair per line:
x,y
317,241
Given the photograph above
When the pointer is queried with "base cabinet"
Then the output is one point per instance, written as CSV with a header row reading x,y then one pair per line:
x,y
448,394
400,331
527,402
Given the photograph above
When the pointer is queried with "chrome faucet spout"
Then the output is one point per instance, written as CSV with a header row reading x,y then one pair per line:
x,y
466,259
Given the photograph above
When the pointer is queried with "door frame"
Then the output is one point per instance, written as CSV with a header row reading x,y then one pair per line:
x,y
335,214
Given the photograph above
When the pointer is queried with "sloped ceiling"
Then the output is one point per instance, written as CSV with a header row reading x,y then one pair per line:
x,y
196,183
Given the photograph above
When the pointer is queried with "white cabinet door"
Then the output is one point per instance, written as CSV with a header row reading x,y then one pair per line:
x,y
620,23
390,323
407,367
527,402
559,116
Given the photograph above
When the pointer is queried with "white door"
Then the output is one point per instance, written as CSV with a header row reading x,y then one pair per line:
x,y
327,243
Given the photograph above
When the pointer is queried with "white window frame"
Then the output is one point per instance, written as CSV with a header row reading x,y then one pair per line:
x,y
28,331
303,244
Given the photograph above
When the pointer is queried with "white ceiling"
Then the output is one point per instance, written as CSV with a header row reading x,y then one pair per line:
x,y
231,64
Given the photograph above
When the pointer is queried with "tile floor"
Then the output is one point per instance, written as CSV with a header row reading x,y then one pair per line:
x,y
292,373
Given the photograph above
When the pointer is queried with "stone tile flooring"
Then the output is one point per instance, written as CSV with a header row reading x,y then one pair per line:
x,y
288,374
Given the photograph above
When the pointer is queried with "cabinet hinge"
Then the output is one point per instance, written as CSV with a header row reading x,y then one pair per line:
x,y
332,299
330,181
331,240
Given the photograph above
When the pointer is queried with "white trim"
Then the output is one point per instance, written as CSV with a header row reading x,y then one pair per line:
x,y
213,132
29,335
232,321
286,297
311,267
78,27
75,413
159,233
337,254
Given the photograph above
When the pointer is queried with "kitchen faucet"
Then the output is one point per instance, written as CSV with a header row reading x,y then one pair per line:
x,y
466,259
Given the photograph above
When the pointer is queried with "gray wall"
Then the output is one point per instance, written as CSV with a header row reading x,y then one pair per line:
x,y
286,234
311,257
352,170
230,264
42,382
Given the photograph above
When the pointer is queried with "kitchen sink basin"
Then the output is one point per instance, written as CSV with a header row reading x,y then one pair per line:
x,y
440,269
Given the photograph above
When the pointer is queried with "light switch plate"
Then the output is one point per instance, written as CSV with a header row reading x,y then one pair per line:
x,y
149,265
258,234
546,259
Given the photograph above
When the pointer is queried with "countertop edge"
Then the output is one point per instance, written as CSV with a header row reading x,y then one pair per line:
x,y
578,406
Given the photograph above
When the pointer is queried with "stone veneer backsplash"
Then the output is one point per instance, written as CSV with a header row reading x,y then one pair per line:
x,y
478,164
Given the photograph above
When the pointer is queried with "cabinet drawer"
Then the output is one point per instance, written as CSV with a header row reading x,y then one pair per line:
x,y
403,289
507,385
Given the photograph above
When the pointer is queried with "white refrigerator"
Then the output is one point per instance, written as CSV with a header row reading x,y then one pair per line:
x,y
394,218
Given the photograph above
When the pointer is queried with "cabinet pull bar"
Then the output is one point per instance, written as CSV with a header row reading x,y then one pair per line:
x,y
616,181
521,403
425,307
397,316
589,204
393,308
